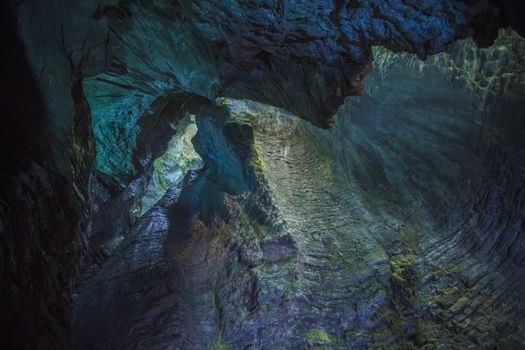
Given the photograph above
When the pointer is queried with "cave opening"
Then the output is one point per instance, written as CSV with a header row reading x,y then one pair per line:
x,y
256,184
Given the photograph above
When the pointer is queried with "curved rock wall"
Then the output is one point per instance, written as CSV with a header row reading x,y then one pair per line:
x,y
304,56
401,227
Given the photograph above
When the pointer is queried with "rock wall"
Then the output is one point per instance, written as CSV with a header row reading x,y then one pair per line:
x,y
306,57
401,227
131,65
43,195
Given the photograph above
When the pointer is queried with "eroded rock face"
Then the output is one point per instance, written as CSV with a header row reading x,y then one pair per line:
x,y
376,233
142,66
306,57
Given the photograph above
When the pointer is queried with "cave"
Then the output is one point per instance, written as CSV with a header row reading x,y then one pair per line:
x,y
223,175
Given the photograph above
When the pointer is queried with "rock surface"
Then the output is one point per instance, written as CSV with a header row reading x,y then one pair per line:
x,y
249,258
374,234
306,57
43,196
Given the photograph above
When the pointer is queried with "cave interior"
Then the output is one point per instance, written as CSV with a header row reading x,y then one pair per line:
x,y
242,174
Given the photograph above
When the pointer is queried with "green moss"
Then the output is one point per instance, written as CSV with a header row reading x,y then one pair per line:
x,y
428,333
257,161
223,101
446,270
403,282
315,336
219,345
402,270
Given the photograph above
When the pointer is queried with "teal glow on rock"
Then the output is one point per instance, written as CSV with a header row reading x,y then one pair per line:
x,y
170,168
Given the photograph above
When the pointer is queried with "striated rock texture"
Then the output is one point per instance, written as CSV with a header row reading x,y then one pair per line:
x,y
400,228
305,56
124,73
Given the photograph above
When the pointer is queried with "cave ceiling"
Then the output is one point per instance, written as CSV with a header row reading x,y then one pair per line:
x,y
304,56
